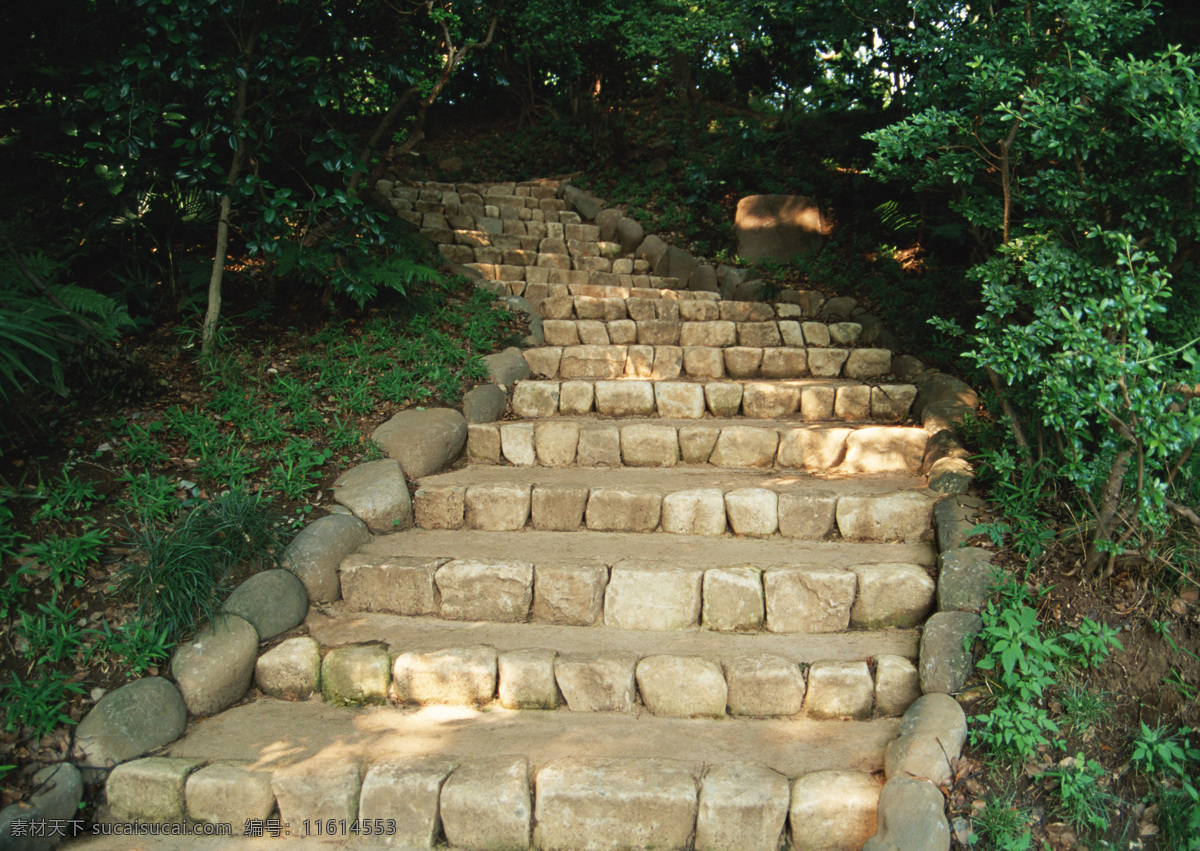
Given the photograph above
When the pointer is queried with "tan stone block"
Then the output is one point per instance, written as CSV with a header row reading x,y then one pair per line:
x,y
555,443
317,789
809,599
826,363
516,443
460,676
733,598
666,309
724,398
604,362
897,685
569,594
597,682
543,362
808,516
868,364
833,809
758,334
624,398
592,332
623,510
770,401
694,512
816,334
144,790
558,508
742,362
892,595
652,598
229,793
710,334
743,806
679,399
791,334
407,792
527,679
839,690
622,332
497,508
649,445
640,363
485,804
784,363
699,311
904,516
852,403
891,403
440,506
402,585
640,309
657,332
575,397
745,446
752,512
599,446
764,685
533,400
703,362
813,449
682,686
885,450
844,334
485,590
816,403
668,363
483,443
696,443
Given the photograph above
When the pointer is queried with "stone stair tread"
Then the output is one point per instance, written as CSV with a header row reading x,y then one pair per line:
x,y
666,551
670,479
272,734
714,422
786,382
336,625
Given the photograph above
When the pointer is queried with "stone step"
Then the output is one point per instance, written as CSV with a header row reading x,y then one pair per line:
x,y
611,303
376,658
651,387
678,500
737,443
590,349
633,594
488,779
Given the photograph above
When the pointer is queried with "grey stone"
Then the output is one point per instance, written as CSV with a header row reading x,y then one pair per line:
x,y
516,444
486,591
954,519
597,682
614,804
682,686
784,363
833,810
129,721
649,445
743,807
696,443
630,234
273,601
150,789
743,362
407,792
599,446
356,673
558,508
724,398
315,554
228,793
811,599
940,716
459,676
401,585
555,443
900,516
317,789
745,447
965,579
809,516
897,685
377,494
214,669
868,364
506,368
891,403
694,512
486,403
912,817
527,679
733,599
951,476
56,791
570,594
764,685
891,595
940,389
437,507
544,361
703,362
778,227
535,400
423,441
653,598
945,664
290,671
839,690
15,829
485,805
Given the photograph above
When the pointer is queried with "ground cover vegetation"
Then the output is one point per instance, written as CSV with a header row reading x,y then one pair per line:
x,y
204,309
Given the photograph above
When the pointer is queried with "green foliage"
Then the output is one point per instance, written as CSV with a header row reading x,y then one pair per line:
x,y
1091,643
151,498
1071,161
298,470
67,558
39,704
1169,759
1084,708
1002,825
1083,793
51,636
62,497
136,645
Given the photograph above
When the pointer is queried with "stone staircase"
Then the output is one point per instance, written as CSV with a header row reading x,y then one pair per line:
x,y
673,602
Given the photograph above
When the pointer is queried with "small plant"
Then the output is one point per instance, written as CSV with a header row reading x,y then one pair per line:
x,y
151,498
1003,825
1084,708
63,497
51,636
38,704
136,644
143,446
67,558
1091,643
299,468
1158,751
1169,758
1084,797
